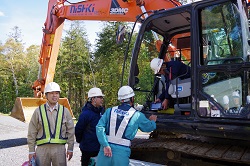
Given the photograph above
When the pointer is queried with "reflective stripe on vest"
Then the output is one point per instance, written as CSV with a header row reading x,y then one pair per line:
x,y
116,137
49,137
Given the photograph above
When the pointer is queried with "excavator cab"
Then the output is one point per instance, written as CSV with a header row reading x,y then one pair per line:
x,y
213,117
211,37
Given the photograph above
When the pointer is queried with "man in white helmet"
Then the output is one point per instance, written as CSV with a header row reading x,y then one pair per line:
x,y
118,126
50,128
171,70
236,102
85,129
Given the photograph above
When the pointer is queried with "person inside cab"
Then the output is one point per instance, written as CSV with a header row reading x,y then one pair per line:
x,y
171,70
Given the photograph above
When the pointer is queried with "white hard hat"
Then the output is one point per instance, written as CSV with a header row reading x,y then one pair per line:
x,y
52,87
94,92
235,94
155,64
225,99
125,92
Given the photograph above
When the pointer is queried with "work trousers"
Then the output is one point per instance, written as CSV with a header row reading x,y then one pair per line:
x,y
120,156
48,154
86,155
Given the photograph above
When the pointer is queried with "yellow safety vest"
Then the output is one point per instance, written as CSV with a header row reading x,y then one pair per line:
x,y
48,137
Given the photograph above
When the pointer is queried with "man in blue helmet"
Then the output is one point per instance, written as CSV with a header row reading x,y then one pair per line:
x,y
118,126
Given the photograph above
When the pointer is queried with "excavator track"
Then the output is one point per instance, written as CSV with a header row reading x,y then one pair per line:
x,y
178,150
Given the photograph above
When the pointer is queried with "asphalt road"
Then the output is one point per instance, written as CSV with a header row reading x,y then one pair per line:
x,y
14,148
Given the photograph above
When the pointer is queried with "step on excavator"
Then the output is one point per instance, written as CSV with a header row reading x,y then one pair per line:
x,y
58,11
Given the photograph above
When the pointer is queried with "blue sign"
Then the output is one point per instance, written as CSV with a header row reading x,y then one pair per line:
x,y
89,8
180,88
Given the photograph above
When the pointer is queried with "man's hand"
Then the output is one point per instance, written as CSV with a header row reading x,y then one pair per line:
x,y
165,104
69,155
107,151
138,107
153,117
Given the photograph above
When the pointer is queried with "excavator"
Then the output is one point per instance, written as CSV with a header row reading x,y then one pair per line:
x,y
209,120
58,11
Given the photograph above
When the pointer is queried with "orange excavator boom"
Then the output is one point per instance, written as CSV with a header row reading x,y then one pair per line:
x,y
58,11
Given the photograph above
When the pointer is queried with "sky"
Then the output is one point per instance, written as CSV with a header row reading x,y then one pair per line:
x,y
30,16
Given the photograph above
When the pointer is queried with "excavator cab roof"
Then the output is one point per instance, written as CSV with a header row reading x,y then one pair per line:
x,y
172,23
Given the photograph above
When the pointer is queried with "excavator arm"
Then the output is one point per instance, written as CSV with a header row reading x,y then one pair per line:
x,y
112,10
58,11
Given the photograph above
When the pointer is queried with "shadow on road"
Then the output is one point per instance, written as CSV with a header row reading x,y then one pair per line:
x,y
12,142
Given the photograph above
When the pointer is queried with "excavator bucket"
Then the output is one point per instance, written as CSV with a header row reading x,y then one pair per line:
x,y
24,107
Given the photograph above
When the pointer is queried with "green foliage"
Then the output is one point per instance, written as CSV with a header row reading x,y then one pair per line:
x,y
77,68
18,70
73,70
146,79
108,61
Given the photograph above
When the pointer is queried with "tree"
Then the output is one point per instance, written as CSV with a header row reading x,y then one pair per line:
x,y
72,70
16,70
13,54
16,34
108,61
30,70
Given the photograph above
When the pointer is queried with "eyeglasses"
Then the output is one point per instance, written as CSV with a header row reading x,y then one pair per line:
x,y
100,97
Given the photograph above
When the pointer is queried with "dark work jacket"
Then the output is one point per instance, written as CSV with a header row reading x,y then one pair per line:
x,y
176,68
85,129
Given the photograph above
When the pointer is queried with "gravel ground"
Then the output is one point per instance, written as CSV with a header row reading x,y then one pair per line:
x,y
14,149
